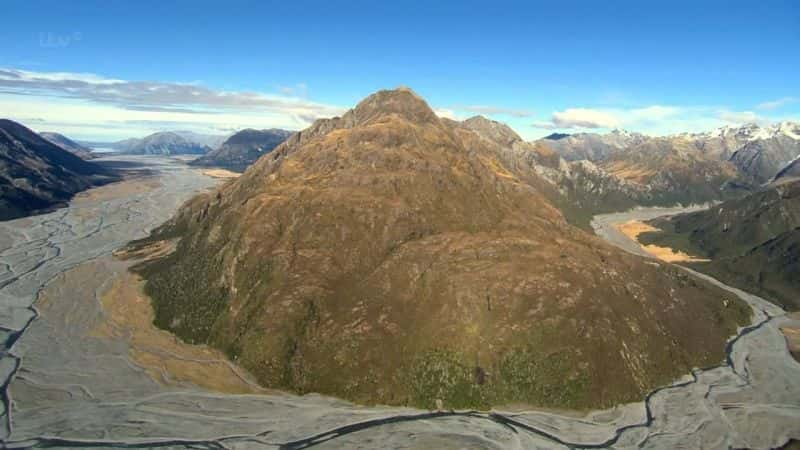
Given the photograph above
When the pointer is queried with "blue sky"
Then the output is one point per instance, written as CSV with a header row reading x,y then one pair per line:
x,y
97,70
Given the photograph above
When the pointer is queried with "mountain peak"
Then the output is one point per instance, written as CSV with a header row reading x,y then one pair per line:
x,y
492,130
402,102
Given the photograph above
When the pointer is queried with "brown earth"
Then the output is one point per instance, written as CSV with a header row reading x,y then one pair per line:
x,y
120,189
792,335
167,359
388,256
634,228
221,173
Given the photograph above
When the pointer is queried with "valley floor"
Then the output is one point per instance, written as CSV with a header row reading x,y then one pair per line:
x,y
87,369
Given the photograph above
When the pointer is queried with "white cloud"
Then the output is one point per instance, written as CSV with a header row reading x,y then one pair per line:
x,y
741,117
446,113
778,103
100,106
656,120
584,118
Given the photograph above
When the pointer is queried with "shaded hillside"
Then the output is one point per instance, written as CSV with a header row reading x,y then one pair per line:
x,y
790,172
389,256
243,149
68,144
36,175
763,159
754,242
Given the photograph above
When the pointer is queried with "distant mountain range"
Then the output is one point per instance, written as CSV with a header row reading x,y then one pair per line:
x,y
162,143
243,148
622,169
37,175
757,152
68,144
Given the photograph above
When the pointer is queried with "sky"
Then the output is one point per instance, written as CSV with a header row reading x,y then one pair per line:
x,y
107,70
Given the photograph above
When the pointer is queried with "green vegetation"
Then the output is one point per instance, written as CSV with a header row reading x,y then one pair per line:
x,y
187,298
535,373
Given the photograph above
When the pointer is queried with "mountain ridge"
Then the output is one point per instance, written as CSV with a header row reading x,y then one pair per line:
x,y
37,175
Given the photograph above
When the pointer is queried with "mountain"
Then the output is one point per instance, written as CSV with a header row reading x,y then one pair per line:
x,y
243,149
37,175
579,189
390,256
762,159
592,146
758,152
208,140
789,172
162,143
556,136
753,242
675,171
68,144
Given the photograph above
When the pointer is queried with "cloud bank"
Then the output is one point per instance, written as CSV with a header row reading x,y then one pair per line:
x,y
163,101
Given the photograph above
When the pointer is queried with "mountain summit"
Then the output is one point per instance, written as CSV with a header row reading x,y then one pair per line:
x,y
389,256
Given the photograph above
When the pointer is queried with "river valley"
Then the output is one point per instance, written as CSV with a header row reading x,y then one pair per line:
x,y
81,368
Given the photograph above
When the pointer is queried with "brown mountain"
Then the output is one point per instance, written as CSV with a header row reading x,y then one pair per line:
x,y
37,175
390,256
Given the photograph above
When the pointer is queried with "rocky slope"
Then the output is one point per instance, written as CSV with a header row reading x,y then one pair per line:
x,y
789,172
676,172
763,159
687,168
68,144
389,256
754,242
243,149
163,143
592,146
37,175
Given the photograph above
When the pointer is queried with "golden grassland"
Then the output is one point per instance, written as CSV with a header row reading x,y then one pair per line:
x,y
634,228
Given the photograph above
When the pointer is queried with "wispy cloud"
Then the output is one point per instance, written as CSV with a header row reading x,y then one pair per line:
x,y
296,90
742,117
778,103
652,119
446,113
154,95
584,118
116,103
